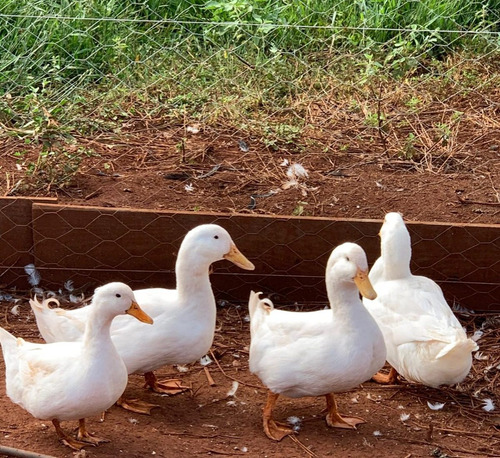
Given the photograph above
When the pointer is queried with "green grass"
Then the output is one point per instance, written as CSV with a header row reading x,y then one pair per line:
x,y
85,51
255,65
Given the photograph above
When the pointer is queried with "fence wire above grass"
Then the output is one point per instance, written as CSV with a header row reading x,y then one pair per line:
x,y
55,53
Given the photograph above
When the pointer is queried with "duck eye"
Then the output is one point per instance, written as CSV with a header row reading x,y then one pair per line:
x,y
118,295
216,236
348,260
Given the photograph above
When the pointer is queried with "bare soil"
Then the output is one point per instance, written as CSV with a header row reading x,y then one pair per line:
x,y
207,421
165,167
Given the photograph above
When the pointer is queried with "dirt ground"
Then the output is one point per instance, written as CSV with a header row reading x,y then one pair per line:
x,y
165,167
156,167
209,421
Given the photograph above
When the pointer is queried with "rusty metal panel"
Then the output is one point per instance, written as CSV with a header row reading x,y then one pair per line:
x,y
94,245
16,238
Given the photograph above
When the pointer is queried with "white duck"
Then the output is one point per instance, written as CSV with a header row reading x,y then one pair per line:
x,y
72,380
184,317
318,353
425,341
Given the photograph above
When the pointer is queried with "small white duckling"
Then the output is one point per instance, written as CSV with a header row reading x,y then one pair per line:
x,y
318,353
425,341
72,380
184,317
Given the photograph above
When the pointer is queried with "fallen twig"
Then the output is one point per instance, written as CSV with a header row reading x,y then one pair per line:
x,y
210,379
302,446
476,202
232,378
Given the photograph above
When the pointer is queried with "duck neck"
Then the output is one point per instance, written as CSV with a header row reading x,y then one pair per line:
x,y
192,273
346,293
97,332
396,256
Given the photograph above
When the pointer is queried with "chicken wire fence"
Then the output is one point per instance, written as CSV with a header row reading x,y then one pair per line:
x,y
414,80
73,249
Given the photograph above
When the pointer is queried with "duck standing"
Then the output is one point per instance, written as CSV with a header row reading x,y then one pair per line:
x,y
318,353
425,341
72,380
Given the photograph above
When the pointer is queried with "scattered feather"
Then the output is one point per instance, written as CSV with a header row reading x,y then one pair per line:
x,y
404,417
205,360
284,163
33,274
456,307
233,389
192,129
379,184
296,171
15,310
290,184
296,422
69,286
377,433
246,318
182,368
134,421
189,187
477,335
488,405
244,449
436,406
73,298
480,356
355,400
231,403
243,146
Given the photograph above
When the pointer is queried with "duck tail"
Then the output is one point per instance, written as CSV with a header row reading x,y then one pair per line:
x,y
45,315
7,340
38,306
461,345
254,302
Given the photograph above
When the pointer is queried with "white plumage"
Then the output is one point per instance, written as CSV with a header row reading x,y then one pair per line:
x,y
72,380
317,353
184,318
425,341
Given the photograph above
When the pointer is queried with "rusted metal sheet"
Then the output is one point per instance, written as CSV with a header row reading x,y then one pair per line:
x,y
16,238
94,245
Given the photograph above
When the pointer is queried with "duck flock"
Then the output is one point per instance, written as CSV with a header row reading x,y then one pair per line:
x,y
402,319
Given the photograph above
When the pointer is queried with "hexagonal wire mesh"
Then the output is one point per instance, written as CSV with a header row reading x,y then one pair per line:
x,y
274,70
91,246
